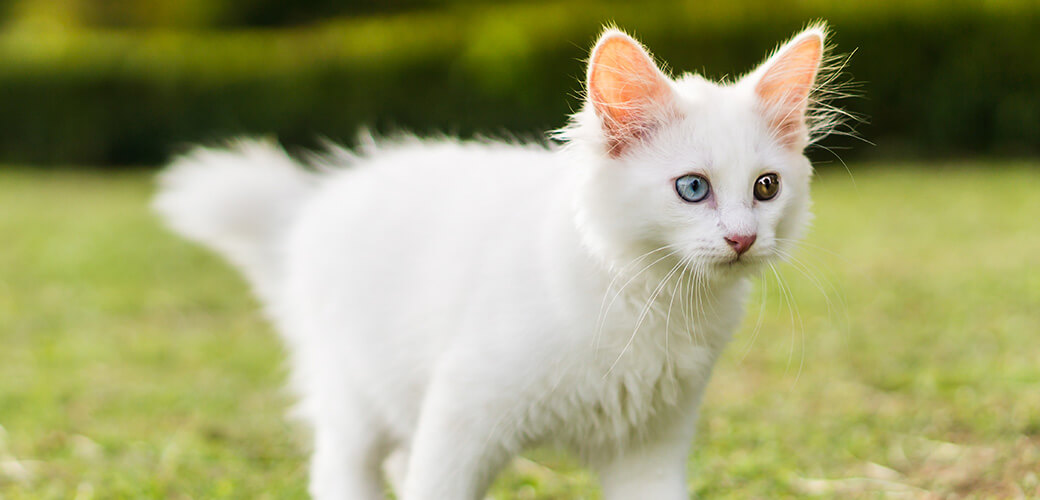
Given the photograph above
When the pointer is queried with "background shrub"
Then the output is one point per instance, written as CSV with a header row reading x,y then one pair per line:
x,y
937,78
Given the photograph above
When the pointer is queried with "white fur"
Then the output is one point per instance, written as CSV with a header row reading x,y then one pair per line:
x,y
458,302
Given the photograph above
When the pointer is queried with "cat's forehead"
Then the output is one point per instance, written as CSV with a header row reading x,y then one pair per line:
x,y
719,125
728,101
693,81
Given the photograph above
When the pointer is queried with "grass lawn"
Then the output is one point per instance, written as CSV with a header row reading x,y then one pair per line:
x,y
134,365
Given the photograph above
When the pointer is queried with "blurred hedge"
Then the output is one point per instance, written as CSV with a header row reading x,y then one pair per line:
x,y
939,78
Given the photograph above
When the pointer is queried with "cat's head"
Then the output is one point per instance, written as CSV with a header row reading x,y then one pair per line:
x,y
712,173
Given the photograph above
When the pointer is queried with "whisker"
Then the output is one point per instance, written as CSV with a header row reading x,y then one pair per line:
x,y
621,272
791,307
810,246
688,270
668,321
642,316
818,280
761,311
605,310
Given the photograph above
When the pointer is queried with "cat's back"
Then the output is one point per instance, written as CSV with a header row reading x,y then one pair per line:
x,y
407,185
425,222
437,175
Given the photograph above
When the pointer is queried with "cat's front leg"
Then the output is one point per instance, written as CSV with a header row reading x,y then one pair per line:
x,y
654,467
657,471
461,443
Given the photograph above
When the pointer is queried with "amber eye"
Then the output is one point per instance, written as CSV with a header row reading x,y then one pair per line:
x,y
767,186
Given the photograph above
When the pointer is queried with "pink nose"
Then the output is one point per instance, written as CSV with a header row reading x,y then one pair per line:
x,y
741,242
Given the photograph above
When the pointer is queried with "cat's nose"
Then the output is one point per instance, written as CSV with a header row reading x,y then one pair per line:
x,y
741,242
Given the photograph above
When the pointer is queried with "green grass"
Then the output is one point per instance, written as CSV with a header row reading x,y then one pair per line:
x,y
135,365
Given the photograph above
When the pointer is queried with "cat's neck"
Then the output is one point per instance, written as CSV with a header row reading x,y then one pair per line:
x,y
649,285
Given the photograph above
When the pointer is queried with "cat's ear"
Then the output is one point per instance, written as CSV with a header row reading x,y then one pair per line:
x,y
629,93
785,82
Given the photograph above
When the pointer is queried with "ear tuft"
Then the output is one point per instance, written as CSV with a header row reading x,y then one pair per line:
x,y
628,92
786,82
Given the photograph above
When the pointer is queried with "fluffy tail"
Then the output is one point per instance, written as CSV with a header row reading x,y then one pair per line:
x,y
238,201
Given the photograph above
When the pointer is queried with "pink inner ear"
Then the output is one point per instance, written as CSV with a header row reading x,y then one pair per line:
x,y
784,88
624,86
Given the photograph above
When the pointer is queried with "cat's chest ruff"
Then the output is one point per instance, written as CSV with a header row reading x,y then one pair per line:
x,y
648,357
612,397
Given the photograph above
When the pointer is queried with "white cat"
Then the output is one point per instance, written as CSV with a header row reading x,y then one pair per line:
x,y
453,303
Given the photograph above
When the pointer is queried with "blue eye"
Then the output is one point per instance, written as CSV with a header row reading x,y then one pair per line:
x,y
692,188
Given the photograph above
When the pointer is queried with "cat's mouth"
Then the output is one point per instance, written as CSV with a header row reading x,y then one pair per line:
x,y
740,262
